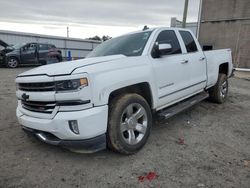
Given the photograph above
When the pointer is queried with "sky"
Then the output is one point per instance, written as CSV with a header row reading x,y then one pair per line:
x,y
87,18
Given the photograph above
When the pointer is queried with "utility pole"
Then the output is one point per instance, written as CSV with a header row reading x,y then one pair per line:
x,y
67,32
185,14
199,21
67,53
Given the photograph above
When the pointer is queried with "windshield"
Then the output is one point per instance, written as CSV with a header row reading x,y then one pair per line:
x,y
17,46
128,45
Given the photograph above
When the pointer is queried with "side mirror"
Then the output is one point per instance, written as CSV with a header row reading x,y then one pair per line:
x,y
161,49
164,48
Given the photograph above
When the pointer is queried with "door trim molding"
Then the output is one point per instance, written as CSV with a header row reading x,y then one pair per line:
x,y
181,89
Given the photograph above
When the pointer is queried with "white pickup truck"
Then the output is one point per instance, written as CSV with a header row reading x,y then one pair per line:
x,y
108,98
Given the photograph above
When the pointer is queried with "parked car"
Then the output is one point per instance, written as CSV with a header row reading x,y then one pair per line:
x,y
109,97
5,49
29,53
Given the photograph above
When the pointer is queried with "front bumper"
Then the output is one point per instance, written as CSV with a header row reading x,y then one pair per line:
x,y
2,60
92,125
87,145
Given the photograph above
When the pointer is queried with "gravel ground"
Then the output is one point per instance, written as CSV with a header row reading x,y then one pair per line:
x,y
215,151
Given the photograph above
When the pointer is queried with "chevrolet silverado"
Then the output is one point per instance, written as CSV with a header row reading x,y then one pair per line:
x,y
107,99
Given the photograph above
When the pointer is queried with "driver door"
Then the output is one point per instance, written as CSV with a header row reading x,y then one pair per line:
x,y
29,54
170,70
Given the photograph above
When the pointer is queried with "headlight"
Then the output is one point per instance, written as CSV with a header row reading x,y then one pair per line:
x,y
71,85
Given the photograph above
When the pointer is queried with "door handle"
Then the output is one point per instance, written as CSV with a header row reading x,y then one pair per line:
x,y
202,58
184,61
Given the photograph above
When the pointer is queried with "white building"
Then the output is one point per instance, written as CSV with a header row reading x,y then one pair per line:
x,y
78,48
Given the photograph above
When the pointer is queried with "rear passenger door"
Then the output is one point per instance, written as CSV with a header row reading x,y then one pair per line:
x,y
195,61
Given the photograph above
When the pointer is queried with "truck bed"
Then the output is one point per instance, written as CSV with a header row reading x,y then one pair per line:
x,y
214,59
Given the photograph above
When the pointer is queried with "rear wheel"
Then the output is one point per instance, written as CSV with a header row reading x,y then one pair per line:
x,y
57,60
218,93
12,62
130,121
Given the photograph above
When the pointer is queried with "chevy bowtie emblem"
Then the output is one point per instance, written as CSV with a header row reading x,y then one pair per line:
x,y
25,97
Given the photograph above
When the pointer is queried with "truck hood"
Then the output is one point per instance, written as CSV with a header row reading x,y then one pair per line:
x,y
66,68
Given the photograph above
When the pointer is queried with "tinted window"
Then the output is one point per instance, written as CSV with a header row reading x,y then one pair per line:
x,y
170,38
188,41
30,47
43,47
17,46
207,47
128,45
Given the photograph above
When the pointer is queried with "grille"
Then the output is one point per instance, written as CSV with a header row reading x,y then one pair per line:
x,y
46,86
41,107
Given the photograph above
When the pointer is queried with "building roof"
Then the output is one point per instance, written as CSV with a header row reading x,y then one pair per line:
x,y
46,36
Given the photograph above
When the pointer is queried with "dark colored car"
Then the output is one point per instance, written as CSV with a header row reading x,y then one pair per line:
x,y
29,54
5,49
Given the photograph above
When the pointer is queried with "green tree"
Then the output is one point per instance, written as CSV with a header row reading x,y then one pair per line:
x,y
103,38
145,27
95,38
106,37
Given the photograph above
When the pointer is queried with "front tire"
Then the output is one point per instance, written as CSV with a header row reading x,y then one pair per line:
x,y
129,124
12,62
218,93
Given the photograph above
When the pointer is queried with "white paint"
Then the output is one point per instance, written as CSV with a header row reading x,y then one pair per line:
x,y
183,76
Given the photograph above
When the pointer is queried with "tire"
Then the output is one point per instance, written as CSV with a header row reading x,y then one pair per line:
x,y
55,59
12,62
218,93
59,58
129,124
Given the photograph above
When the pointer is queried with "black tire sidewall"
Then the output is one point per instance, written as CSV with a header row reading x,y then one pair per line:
x,y
114,123
214,92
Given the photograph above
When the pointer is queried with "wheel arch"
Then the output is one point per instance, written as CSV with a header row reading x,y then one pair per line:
x,y
12,56
224,68
142,89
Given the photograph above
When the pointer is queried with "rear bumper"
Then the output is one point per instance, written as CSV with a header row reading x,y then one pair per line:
x,y
87,145
232,73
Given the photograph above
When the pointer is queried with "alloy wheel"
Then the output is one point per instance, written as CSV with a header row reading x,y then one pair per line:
x,y
134,122
223,89
12,63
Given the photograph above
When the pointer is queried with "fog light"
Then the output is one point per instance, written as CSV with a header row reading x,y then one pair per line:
x,y
73,125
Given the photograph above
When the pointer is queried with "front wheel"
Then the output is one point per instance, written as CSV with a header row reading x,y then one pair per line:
x,y
129,125
12,62
218,93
